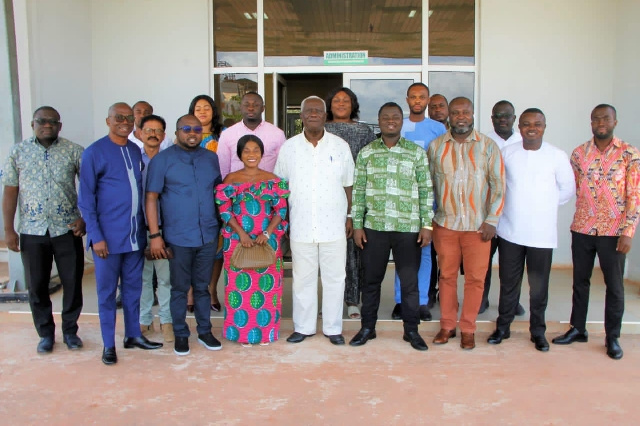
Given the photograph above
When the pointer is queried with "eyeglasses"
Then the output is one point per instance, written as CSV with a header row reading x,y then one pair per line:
x,y
149,131
500,116
189,129
122,118
43,121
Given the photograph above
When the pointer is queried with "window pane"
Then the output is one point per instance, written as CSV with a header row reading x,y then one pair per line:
x,y
452,32
451,84
235,30
229,90
297,32
372,94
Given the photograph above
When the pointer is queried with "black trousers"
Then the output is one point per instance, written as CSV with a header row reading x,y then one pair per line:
x,y
584,249
512,261
435,274
375,257
38,253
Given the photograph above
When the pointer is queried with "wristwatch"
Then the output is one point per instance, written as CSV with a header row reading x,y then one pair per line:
x,y
156,235
266,234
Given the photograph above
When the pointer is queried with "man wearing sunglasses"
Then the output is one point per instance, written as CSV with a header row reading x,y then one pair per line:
x,y
183,177
41,173
111,205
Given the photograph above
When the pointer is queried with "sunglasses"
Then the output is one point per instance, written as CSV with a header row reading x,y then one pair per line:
x,y
122,118
149,131
189,129
43,121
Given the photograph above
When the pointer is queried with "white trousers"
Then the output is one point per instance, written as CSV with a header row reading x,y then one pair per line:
x,y
331,257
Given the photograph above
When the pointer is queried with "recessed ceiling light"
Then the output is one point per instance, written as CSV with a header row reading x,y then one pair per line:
x,y
430,12
412,13
255,15
247,15
265,16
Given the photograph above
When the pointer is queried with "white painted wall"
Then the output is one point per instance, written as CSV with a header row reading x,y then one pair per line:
x,y
60,65
558,56
156,50
626,92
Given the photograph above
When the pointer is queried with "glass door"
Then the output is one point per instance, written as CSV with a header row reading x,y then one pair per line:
x,y
375,89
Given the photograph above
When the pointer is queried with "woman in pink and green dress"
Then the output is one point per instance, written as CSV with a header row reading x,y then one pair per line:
x,y
253,207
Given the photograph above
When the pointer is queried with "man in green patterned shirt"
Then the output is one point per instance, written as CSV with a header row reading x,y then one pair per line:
x,y
392,211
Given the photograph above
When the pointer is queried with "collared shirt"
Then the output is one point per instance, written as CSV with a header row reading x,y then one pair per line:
x,y
538,181
317,177
392,190
607,189
422,132
271,136
110,197
46,178
515,137
186,181
468,181
166,143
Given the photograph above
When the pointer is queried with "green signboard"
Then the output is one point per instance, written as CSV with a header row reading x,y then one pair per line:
x,y
348,57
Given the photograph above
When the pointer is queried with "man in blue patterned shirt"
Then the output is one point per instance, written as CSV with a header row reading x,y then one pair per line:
x,y
41,173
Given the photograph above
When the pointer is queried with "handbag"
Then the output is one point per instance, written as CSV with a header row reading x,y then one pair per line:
x,y
256,257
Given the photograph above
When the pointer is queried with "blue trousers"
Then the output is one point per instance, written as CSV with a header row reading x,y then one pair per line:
x,y
191,267
424,277
126,268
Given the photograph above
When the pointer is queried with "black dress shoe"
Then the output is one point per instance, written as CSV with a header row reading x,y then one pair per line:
x,y
140,342
396,314
540,342
45,345
336,339
416,341
573,335
520,310
613,348
297,337
498,336
484,305
363,336
72,341
109,356
425,314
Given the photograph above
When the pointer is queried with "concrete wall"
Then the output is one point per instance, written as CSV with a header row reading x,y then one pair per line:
x,y
558,56
626,90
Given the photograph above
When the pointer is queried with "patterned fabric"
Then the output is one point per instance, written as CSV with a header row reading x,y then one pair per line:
x,y
468,181
357,135
607,189
253,297
392,189
47,182
209,142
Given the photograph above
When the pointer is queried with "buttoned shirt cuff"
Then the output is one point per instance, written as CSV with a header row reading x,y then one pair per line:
x,y
427,223
357,223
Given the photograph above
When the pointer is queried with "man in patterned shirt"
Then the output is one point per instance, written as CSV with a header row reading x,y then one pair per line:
x,y
41,172
468,181
392,211
607,172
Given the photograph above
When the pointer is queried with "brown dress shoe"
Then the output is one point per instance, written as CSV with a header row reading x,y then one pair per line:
x,y
443,336
147,330
167,332
467,341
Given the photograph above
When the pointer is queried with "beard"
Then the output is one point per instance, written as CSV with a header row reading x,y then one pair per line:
x,y
460,130
603,135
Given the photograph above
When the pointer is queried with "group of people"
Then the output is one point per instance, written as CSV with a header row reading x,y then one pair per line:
x,y
432,190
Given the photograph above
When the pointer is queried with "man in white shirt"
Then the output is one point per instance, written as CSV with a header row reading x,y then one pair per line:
x,y
539,179
142,109
251,108
503,117
319,167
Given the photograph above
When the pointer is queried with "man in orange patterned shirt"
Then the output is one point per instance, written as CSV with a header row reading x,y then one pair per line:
x,y
607,174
